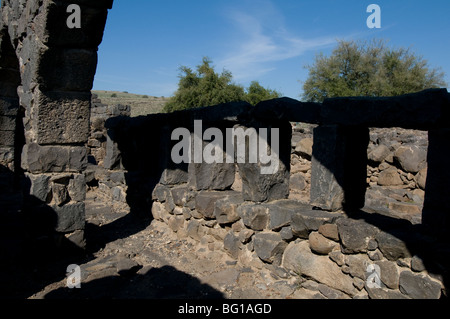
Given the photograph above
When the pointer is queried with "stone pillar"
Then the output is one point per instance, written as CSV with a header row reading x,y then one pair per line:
x,y
258,186
57,66
436,210
339,167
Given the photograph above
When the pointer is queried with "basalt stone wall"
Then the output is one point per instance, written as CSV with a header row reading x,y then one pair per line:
x,y
346,251
46,74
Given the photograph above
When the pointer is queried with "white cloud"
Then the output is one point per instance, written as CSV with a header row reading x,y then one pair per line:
x,y
261,41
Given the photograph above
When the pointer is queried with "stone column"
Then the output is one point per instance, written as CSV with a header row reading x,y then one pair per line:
x,y
436,210
339,167
57,67
260,186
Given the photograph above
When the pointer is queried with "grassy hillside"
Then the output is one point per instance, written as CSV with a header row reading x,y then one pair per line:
x,y
140,104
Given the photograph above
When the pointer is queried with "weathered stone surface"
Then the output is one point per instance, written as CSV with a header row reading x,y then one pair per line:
x,y
231,245
60,194
89,35
70,217
280,213
329,231
289,110
39,186
61,117
179,195
339,167
419,286
422,110
389,177
192,229
174,176
226,209
216,176
258,186
299,258
391,246
421,178
286,233
306,221
159,212
205,201
160,193
378,154
269,246
357,265
67,69
388,273
355,235
176,222
331,293
40,159
411,158
321,245
77,187
297,182
304,148
417,264
254,216
384,293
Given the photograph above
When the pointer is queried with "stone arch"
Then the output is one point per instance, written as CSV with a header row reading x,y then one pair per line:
x,y
47,72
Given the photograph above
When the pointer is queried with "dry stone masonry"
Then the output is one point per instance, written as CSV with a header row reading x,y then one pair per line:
x,y
367,188
355,209
46,74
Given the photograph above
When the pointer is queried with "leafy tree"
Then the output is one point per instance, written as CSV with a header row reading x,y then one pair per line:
x,y
369,69
256,93
205,87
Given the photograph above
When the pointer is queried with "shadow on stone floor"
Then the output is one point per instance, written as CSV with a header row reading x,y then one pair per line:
x,y
157,283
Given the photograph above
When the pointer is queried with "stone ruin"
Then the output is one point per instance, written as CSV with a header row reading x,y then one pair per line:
x,y
56,140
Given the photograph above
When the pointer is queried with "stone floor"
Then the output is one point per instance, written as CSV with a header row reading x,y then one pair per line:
x,y
132,258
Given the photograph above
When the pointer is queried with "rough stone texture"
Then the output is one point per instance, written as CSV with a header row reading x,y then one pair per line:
x,y
217,176
418,286
226,209
254,216
329,231
420,110
355,235
321,245
391,246
61,118
339,167
304,148
378,154
260,187
306,221
41,159
299,258
269,246
389,177
411,158
70,217
206,200
389,274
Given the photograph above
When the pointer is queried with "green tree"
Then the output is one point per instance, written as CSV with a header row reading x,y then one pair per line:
x,y
256,93
369,69
205,87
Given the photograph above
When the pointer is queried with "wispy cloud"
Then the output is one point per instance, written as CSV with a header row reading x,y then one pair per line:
x,y
264,40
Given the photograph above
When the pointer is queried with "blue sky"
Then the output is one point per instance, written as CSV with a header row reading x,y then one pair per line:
x,y
146,41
